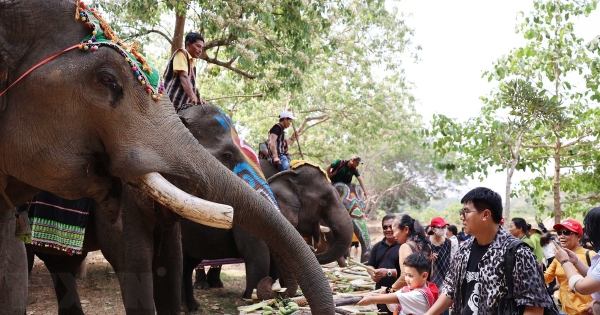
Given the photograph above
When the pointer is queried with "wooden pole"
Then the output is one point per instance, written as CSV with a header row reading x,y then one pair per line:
x,y
297,139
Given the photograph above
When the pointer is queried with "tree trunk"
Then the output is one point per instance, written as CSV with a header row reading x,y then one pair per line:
x,y
178,32
510,171
556,184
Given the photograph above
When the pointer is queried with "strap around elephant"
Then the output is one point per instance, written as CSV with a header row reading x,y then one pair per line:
x,y
39,64
10,204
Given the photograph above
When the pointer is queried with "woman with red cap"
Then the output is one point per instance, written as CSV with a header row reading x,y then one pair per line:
x,y
442,251
569,234
576,268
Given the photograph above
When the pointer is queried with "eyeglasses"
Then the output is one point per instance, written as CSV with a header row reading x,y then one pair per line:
x,y
464,211
386,227
564,232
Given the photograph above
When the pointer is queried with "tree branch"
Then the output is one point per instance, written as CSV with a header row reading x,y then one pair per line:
x,y
547,146
229,66
163,34
592,197
580,165
222,42
583,135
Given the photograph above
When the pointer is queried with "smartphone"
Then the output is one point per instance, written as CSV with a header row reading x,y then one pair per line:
x,y
556,241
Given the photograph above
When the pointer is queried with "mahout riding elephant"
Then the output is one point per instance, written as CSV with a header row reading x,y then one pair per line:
x,y
78,123
305,197
352,198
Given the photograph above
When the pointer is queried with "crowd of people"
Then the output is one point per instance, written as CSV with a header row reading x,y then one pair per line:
x,y
434,269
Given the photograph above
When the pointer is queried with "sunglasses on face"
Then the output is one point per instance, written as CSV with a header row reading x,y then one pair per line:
x,y
386,227
564,232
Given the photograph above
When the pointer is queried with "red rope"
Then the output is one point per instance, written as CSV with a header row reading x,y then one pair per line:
x,y
37,66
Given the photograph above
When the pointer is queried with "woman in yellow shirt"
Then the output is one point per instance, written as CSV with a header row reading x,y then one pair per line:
x,y
569,235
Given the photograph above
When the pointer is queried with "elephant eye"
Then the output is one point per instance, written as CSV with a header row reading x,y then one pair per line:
x,y
109,81
228,156
324,200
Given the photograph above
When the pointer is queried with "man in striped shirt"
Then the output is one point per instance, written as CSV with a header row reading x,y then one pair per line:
x,y
180,75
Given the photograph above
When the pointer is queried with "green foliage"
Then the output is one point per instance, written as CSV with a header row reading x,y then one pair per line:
x,y
337,64
539,112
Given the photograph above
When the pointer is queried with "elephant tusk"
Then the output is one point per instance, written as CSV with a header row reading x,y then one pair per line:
x,y
190,207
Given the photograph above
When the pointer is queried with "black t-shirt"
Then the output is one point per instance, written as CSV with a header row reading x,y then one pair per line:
x,y
472,283
391,261
275,130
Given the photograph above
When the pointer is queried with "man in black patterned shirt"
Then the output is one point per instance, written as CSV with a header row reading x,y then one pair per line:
x,y
476,283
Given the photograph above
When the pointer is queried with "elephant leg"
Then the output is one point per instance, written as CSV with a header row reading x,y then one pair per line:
x,y
13,267
167,269
30,258
189,303
200,282
213,277
286,277
129,248
342,262
360,229
257,258
62,269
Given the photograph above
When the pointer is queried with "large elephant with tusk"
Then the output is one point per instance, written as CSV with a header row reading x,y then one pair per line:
x,y
304,195
75,121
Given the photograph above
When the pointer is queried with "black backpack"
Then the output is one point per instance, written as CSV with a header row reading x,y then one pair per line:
x,y
507,305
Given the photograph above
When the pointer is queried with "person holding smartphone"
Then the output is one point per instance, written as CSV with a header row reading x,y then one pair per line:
x,y
569,234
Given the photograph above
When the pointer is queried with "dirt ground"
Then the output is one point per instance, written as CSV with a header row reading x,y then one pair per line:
x,y
100,293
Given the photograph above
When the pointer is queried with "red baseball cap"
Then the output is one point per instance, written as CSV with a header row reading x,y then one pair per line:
x,y
438,221
570,225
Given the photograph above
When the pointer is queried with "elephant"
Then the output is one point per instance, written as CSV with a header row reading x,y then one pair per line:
x,y
351,197
75,121
216,133
305,197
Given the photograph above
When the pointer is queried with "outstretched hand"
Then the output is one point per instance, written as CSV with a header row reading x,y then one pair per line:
x,y
563,254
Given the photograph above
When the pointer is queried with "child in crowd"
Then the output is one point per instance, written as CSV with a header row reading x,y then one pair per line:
x,y
417,296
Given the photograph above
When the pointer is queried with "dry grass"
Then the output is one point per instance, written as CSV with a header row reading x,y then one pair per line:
x,y
100,292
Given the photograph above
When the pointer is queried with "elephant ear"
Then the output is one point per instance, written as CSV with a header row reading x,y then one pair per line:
x,y
3,77
5,58
286,192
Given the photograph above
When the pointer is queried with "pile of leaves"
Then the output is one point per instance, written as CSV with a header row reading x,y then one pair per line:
x,y
348,285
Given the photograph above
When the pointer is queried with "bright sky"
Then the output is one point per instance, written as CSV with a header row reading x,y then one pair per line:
x,y
460,40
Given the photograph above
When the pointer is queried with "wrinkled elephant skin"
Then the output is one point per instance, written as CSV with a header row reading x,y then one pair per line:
x,y
154,241
304,196
81,124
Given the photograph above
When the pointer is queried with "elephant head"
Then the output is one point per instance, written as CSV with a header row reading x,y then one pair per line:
x,y
351,197
304,194
81,123
305,197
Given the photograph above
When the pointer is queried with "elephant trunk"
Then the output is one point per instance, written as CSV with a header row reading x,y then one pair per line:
x,y
257,215
341,227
